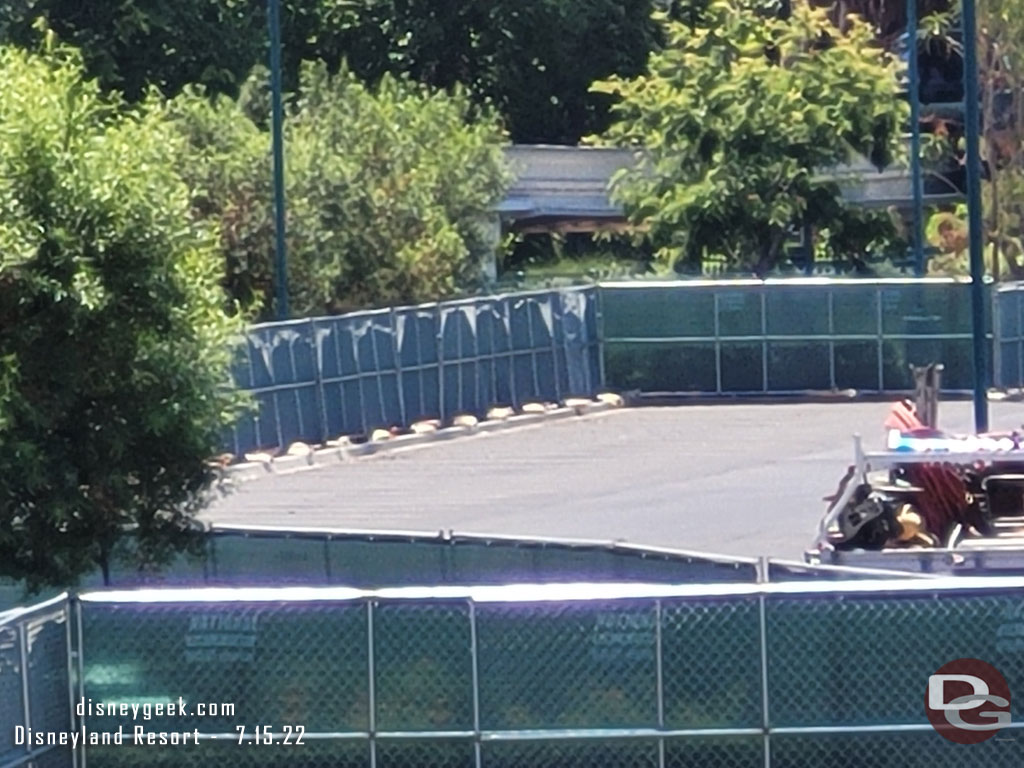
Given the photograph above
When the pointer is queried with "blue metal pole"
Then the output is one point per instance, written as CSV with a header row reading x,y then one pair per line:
x,y
974,222
915,138
277,119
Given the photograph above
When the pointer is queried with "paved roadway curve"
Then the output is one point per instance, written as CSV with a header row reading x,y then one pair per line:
x,y
729,479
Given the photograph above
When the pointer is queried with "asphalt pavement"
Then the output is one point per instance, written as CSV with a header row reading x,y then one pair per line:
x,y
729,479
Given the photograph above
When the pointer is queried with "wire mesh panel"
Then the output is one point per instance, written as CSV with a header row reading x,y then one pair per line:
x,y
273,664
426,753
46,645
891,750
423,667
633,753
567,666
312,753
717,751
712,663
865,660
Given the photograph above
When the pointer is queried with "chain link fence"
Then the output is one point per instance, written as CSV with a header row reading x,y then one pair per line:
x,y
322,377
35,684
821,674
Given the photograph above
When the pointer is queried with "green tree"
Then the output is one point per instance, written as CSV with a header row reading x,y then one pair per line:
x,y
130,46
114,346
737,118
533,59
388,190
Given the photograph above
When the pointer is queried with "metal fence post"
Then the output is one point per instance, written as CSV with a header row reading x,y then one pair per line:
x,y
831,339
764,338
660,681
763,577
599,322
997,339
718,345
70,653
474,653
25,700
81,668
371,689
880,338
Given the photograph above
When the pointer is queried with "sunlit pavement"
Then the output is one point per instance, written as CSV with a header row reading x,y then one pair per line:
x,y
730,479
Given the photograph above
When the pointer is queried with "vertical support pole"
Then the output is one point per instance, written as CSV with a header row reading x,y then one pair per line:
x,y
764,337
913,72
25,700
277,121
718,346
81,669
763,616
70,652
831,338
601,343
997,342
660,681
475,656
372,684
975,242
880,338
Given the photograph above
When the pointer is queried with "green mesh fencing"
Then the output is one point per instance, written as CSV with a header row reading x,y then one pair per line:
x,y
783,336
817,674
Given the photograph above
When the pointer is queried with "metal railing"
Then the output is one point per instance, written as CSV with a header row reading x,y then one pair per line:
x,y
816,674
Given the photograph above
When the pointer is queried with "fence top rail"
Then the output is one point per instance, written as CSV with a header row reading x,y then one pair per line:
x,y
750,281
15,614
452,537
852,570
429,305
567,592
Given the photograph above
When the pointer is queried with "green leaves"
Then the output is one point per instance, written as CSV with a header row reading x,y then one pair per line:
x,y
114,342
738,113
386,189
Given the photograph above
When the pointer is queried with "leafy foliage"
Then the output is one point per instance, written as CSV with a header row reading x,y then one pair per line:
x,y
114,346
533,59
737,116
387,190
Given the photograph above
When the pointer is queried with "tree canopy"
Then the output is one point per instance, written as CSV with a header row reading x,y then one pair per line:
x,y
114,344
388,189
533,60
738,116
